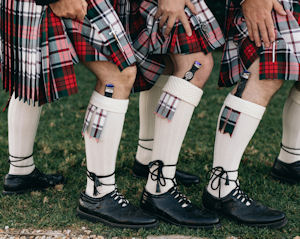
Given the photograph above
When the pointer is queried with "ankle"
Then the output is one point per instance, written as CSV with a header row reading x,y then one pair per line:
x,y
222,182
21,165
99,186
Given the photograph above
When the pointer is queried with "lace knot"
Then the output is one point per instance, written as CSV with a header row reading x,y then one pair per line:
x,y
157,174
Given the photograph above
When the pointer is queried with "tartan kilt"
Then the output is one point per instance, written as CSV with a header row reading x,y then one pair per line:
x,y
149,43
39,50
280,61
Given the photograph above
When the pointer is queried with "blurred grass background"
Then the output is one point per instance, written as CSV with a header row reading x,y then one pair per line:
x,y
59,147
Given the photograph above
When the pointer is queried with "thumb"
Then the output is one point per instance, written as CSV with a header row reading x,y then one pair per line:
x,y
191,6
279,8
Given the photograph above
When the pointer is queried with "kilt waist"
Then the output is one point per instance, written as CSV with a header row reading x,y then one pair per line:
x,y
39,50
280,61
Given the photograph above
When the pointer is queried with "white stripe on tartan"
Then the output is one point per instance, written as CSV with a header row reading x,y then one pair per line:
x,y
167,106
98,123
88,116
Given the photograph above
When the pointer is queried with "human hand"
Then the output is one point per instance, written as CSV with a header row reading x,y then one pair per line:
x,y
74,9
169,11
258,16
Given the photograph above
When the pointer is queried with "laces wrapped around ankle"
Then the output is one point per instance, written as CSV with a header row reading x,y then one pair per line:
x,y
117,196
97,182
157,174
19,159
218,174
181,198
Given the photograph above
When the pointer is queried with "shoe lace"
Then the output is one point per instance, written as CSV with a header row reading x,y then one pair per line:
x,y
157,174
181,198
96,180
219,174
117,196
242,196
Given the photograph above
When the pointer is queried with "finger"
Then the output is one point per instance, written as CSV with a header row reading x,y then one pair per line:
x,y
186,24
158,13
264,34
171,22
191,6
250,31
271,29
163,20
279,8
256,36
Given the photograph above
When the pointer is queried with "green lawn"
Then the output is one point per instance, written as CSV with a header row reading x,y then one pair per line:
x,y
59,147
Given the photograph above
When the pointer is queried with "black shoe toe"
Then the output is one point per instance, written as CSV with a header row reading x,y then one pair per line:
x,y
238,206
173,207
114,210
289,173
16,184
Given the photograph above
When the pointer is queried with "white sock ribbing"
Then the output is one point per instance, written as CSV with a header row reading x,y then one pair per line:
x,y
23,120
290,151
229,149
147,104
101,155
169,135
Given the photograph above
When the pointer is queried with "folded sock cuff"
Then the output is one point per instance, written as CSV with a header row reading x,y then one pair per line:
x,y
183,90
109,104
244,106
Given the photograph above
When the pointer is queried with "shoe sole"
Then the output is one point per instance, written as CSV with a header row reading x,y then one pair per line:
x,y
95,219
274,225
10,193
283,179
212,226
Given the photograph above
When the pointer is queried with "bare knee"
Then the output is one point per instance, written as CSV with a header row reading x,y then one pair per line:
x,y
261,91
128,76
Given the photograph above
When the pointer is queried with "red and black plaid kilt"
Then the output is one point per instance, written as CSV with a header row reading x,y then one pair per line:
x,y
38,49
281,61
149,43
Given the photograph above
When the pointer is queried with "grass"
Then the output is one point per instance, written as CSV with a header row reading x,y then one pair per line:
x,y
59,147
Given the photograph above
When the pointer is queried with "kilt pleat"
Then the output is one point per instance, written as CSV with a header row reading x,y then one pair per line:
x,y
39,50
149,42
281,61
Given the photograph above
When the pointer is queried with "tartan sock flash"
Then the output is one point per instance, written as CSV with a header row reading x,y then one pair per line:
x,y
23,120
290,150
147,104
175,90
237,123
169,135
101,153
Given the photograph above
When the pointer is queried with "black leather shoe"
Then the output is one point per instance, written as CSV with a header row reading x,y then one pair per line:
x,y
184,178
286,172
237,205
113,210
16,184
173,207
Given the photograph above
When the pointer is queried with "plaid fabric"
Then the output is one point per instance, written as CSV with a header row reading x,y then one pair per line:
x,y
149,42
98,123
167,106
281,61
38,49
228,120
